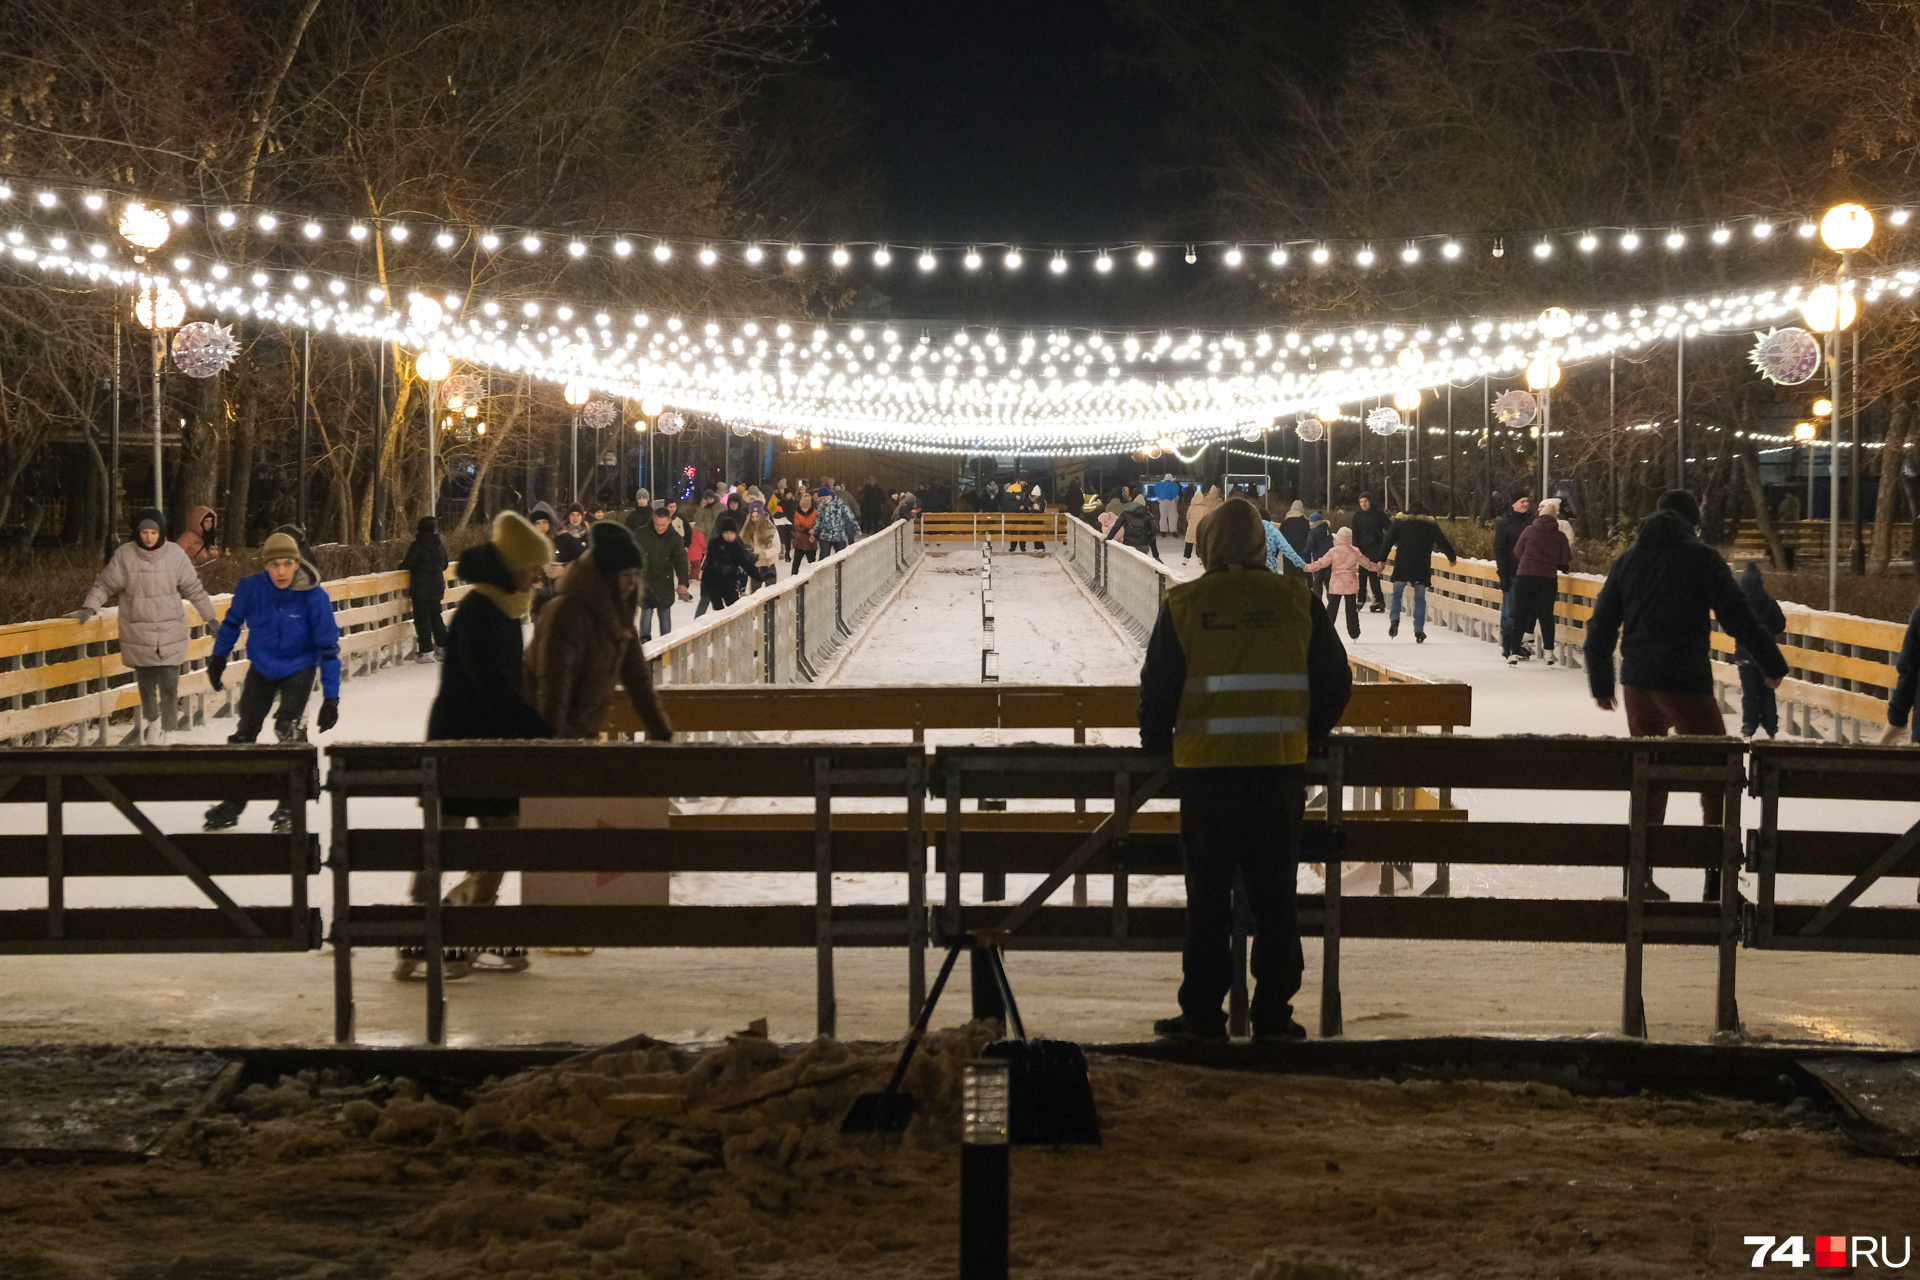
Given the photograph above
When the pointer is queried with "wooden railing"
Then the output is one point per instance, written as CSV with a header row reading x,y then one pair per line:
x,y
990,526
61,682
1841,666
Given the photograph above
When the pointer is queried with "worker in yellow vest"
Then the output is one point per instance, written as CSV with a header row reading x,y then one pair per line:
x,y
1244,668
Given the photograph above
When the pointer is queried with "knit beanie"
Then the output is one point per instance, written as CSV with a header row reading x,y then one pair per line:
x,y
1551,507
1297,509
1315,518
823,492
1343,536
1232,535
613,548
521,545
150,518
1682,503
280,546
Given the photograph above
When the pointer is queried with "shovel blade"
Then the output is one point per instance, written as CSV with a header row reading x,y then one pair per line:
x,y
879,1113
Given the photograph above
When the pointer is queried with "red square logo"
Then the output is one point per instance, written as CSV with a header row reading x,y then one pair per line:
x,y
1829,1251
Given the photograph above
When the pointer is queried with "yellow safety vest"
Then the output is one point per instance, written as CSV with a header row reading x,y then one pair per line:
x,y
1245,634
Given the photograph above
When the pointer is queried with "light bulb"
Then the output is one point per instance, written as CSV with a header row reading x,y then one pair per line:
x,y
144,228
1278,257
1321,254
266,222
1761,230
1365,256
1630,241
1589,242
1721,235
1846,227
881,256
399,232
972,260
313,231
1232,256
662,251
927,261
1410,254
755,253
1013,260
490,242
1144,258
841,257
1675,240
795,255
577,248
1103,262
708,256
1543,250
531,244
1450,250
1059,264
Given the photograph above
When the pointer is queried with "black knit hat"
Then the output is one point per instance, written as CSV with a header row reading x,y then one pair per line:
x,y
1682,503
613,548
150,517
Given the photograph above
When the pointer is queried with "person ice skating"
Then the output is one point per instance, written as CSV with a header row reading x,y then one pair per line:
x,y
197,537
426,568
665,579
150,576
1900,699
1370,526
1506,533
727,569
585,644
1202,506
1658,602
1759,708
1319,542
806,513
705,514
483,695
570,543
1541,555
1340,569
1243,669
836,527
544,521
1294,527
291,637
764,543
1166,501
1280,550
1413,539
1137,527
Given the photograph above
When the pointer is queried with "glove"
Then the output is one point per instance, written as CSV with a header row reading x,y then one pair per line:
x,y
82,614
215,665
329,713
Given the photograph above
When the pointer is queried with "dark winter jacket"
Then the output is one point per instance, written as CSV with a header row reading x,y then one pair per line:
x,y
287,631
1506,532
483,680
1319,541
584,646
1413,539
1542,550
666,560
426,562
1295,530
1766,611
1137,528
570,543
728,563
1163,677
1656,605
1900,703
1370,532
873,506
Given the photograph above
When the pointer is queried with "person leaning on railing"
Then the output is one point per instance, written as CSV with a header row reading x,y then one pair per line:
x,y
1242,671
1656,603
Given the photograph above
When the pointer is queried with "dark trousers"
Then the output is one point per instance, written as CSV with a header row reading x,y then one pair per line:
x,y
1533,603
1323,585
1245,820
1509,634
721,599
1353,612
1370,579
1654,713
256,699
650,608
428,629
1759,708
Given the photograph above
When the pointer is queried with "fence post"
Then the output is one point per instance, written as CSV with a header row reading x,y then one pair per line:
x,y
824,1015
1633,1011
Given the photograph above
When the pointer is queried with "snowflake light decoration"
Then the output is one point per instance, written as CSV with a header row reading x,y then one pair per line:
x,y
1310,429
202,349
1515,409
1383,421
1787,356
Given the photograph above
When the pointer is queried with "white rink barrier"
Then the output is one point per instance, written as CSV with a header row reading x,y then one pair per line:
x,y
1129,583
785,634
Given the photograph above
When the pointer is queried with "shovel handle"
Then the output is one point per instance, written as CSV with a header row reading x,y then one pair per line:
x,y
920,1023
1018,1027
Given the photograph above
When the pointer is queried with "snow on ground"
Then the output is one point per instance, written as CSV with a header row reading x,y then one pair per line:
x,y
1048,629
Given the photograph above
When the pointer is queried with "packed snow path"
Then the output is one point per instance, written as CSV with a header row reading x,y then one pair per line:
x,y
1047,630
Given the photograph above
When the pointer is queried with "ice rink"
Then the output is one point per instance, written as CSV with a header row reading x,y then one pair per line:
x,y
1048,630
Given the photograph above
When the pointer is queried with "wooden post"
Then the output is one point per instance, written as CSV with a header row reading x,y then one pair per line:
x,y
916,883
430,872
1727,1005
823,894
1633,1011
1331,1021
341,864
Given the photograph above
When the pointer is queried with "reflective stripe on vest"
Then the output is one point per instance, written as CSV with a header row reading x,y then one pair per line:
x,y
1245,634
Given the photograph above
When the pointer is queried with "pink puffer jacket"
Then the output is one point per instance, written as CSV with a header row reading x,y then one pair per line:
x,y
1346,562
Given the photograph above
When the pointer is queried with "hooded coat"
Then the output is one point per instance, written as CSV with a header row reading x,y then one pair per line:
x,y
1202,506
1656,603
727,564
1506,533
1370,525
1294,528
483,680
805,515
426,562
1766,611
836,523
197,538
1137,527
1900,701
288,629
1345,562
584,646
150,583
1541,551
1414,538
1319,539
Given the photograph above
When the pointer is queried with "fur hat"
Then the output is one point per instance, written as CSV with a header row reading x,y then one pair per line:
x,y
521,545
612,548
1232,535
1683,503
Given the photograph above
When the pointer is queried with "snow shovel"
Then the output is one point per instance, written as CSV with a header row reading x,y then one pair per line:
x,y
1050,1102
890,1110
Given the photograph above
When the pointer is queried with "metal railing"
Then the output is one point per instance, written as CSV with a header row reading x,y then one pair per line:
x,y
1129,583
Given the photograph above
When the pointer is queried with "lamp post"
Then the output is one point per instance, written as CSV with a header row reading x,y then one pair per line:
x,y
575,394
1407,402
650,410
1806,433
1542,376
157,309
433,366
1845,227
1327,413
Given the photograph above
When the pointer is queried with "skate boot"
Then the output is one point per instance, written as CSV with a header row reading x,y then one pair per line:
x,y
225,815
499,960
1551,658
281,819
1393,628
1419,637
1513,659
1286,1033
1181,1028
440,653
412,964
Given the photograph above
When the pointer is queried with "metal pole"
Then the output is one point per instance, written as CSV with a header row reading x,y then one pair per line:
x,y
1546,436
113,446
377,524
306,390
574,459
1833,445
1613,439
159,355
1859,532
433,450
1450,487
1680,414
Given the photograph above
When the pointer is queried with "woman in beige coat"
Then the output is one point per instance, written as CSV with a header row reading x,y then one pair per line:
x,y
1202,506
151,576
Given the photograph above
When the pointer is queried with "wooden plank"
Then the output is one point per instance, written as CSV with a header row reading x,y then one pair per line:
x,y
154,929
1831,771
222,854
239,772
1837,853
54,675
1895,929
717,927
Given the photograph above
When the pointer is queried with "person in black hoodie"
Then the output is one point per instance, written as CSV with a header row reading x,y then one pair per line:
x,y
1413,539
1656,603
1370,526
1759,709
426,566
1506,562
483,694
728,567
1319,542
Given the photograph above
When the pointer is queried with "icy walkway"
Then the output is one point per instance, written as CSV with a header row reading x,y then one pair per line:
x,y
1048,630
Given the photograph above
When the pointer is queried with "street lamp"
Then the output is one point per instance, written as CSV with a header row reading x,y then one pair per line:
x,y
1806,433
1327,412
1845,228
1543,375
433,366
158,308
651,408
575,394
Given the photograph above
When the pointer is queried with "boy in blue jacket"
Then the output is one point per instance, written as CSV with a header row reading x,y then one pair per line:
x,y
291,635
